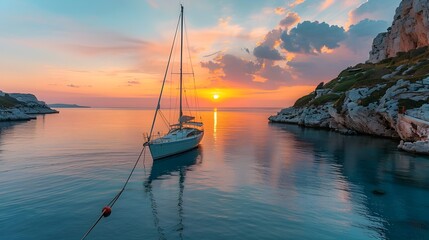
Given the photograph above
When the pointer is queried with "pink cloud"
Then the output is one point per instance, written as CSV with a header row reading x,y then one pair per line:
x,y
296,3
291,19
326,4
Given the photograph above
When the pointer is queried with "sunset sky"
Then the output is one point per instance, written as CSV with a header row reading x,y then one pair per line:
x,y
109,53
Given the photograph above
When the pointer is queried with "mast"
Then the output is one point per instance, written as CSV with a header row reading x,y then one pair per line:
x,y
181,64
158,106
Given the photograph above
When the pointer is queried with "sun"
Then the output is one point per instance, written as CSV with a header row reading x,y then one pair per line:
x,y
215,96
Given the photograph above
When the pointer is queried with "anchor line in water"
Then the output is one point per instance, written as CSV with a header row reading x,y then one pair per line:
x,y
107,210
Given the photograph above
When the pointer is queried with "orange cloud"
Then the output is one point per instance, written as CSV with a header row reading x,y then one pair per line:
x,y
296,3
326,4
279,10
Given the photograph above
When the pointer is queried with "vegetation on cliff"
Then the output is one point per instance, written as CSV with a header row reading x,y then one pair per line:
x,y
412,66
7,101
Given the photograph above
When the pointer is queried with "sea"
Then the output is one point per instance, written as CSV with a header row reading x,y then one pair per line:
x,y
248,179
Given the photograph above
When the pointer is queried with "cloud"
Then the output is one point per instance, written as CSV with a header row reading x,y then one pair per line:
x,y
367,28
326,4
279,10
262,74
133,82
311,52
237,69
98,43
313,69
361,35
266,49
106,50
296,3
312,37
276,76
375,10
266,52
290,20
272,37
212,66
73,86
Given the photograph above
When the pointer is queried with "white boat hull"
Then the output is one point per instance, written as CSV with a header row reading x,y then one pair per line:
x,y
165,149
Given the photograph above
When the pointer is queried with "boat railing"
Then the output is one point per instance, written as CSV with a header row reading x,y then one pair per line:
x,y
153,137
196,125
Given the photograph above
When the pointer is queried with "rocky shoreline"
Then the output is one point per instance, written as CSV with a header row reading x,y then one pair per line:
x,y
387,96
392,108
402,112
385,117
21,107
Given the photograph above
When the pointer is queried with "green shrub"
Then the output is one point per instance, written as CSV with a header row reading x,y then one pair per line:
x,y
369,82
419,52
331,83
422,70
344,85
369,75
325,99
386,61
7,101
303,101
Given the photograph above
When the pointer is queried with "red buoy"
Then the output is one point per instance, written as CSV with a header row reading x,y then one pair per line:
x,y
106,211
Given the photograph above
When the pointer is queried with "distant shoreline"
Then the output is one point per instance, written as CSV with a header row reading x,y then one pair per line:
x,y
63,105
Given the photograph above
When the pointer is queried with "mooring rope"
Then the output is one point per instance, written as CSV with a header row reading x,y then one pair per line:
x,y
107,210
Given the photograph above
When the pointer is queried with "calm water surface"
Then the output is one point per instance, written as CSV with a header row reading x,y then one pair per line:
x,y
248,180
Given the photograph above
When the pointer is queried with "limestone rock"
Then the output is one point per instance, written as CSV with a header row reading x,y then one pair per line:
x,y
379,48
24,108
412,129
14,114
32,104
378,118
389,99
409,30
421,147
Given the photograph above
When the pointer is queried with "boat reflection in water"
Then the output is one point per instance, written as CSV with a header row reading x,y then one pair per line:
x,y
167,169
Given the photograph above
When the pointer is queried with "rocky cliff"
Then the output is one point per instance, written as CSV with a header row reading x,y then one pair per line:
x,y
18,106
388,96
410,30
389,99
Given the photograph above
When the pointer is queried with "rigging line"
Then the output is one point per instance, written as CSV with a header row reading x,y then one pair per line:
x,y
193,73
170,83
164,119
107,209
163,82
187,104
190,63
181,62
176,97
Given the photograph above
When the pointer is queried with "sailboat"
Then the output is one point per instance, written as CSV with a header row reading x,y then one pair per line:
x,y
186,133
